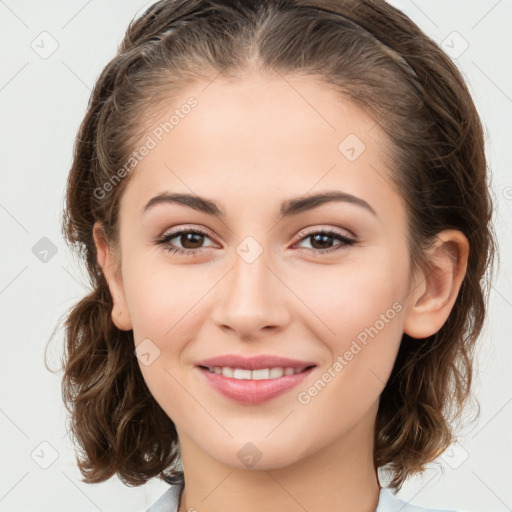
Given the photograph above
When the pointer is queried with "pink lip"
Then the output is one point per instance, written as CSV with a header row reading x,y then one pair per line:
x,y
253,392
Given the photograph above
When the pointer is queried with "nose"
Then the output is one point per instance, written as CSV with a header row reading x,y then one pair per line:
x,y
252,300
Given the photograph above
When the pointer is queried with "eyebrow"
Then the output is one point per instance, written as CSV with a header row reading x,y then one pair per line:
x,y
288,208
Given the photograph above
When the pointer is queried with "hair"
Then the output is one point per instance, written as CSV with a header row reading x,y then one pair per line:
x,y
373,55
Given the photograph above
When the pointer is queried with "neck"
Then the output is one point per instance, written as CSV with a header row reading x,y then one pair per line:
x,y
340,477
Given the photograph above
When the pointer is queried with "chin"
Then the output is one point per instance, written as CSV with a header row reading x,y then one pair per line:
x,y
258,454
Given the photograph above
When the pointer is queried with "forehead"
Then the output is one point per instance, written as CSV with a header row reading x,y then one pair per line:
x,y
259,136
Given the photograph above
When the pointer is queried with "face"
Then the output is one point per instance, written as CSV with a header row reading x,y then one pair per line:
x,y
265,270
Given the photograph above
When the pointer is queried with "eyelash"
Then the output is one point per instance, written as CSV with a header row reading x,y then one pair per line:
x,y
165,239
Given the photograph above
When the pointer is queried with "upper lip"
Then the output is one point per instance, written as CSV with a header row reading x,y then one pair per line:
x,y
254,362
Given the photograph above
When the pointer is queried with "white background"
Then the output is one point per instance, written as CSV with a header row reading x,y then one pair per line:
x,y
43,100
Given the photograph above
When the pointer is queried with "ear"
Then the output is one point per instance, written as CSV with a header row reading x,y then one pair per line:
x,y
109,262
435,291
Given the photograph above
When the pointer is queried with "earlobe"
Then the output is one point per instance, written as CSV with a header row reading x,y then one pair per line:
x,y
435,291
109,264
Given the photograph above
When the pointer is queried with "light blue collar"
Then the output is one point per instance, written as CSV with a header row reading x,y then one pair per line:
x,y
388,502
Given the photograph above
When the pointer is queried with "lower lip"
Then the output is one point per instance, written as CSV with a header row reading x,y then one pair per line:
x,y
253,392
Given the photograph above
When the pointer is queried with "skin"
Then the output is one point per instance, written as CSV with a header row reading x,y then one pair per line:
x,y
249,145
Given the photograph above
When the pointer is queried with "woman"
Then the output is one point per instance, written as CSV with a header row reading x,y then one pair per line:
x,y
284,211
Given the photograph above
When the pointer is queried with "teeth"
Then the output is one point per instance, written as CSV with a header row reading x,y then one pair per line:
x,y
241,374
275,373
227,372
262,374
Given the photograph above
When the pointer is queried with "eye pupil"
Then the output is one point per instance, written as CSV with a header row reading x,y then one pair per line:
x,y
193,238
325,240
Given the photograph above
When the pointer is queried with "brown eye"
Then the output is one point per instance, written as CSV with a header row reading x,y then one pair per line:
x,y
185,241
191,240
322,241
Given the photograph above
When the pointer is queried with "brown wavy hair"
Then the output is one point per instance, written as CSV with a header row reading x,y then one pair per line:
x,y
373,55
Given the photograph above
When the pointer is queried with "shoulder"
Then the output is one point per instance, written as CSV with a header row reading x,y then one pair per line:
x,y
169,500
388,502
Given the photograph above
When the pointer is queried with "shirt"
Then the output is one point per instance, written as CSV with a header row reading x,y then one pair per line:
x,y
388,502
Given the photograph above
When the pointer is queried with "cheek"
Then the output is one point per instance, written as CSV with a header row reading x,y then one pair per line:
x,y
164,303
357,294
361,307
161,298
363,313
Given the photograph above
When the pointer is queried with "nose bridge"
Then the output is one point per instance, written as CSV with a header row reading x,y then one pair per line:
x,y
250,299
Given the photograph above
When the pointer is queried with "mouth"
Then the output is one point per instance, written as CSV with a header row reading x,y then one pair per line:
x,y
254,381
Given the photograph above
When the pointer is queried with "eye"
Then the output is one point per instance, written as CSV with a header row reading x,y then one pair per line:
x,y
190,241
322,240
